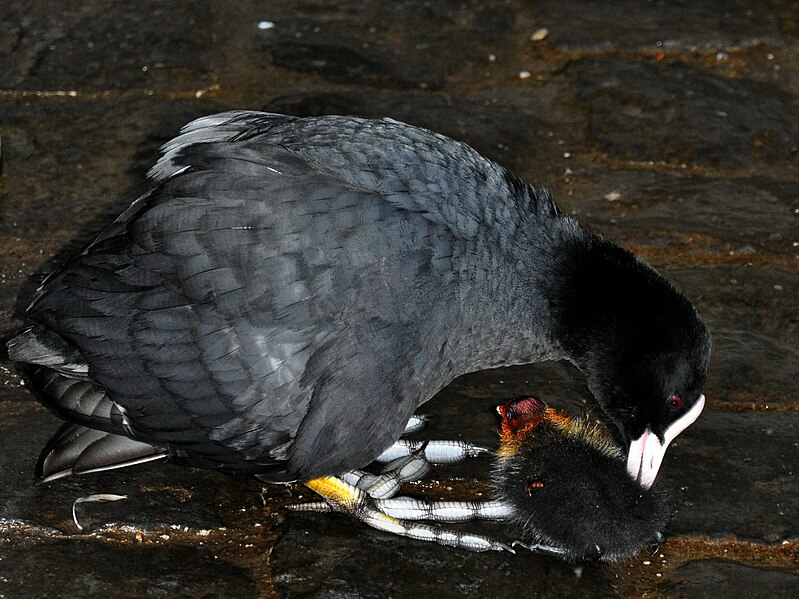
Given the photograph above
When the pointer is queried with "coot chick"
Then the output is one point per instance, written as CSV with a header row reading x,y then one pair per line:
x,y
292,289
567,487
559,481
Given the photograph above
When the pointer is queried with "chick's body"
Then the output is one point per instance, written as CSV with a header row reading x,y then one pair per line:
x,y
569,487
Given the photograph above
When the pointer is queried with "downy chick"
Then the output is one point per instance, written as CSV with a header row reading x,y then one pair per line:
x,y
569,488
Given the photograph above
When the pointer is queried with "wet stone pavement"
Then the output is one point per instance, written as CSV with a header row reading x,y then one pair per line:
x,y
670,127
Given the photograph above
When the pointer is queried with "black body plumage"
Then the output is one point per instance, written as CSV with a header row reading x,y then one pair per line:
x,y
292,289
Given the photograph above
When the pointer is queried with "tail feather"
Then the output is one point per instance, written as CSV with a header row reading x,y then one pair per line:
x,y
58,375
95,438
76,449
73,399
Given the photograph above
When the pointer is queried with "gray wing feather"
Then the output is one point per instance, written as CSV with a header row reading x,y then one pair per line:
x,y
39,345
220,127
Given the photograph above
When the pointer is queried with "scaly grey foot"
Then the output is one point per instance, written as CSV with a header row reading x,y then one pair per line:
x,y
371,497
395,474
436,452
343,497
410,508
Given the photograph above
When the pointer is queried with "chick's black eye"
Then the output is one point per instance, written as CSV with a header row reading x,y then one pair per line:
x,y
533,486
674,403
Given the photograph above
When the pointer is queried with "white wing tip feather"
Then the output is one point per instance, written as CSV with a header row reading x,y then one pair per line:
x,y
214,127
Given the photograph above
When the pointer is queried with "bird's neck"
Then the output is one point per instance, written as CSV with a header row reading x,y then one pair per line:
x,y
556,291
510,311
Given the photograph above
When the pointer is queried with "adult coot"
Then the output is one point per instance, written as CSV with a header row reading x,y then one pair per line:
x,y
292,289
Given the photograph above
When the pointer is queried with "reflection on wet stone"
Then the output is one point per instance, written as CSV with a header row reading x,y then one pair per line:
x,y
91,569
717,578
318,556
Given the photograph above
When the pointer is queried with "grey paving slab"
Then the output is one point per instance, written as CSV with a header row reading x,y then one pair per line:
x,y
94,569
715,24
718,578
102,45
752,314
361,43
673,112
735,473
748,216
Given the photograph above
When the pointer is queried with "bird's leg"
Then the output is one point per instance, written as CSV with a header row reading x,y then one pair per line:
x,y
406,461
410,508
541,548
370,497
395,473
383,488
397,515
340,496
436,451
416,423
377,486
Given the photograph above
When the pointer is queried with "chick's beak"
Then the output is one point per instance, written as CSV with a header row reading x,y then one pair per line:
x,y
647,451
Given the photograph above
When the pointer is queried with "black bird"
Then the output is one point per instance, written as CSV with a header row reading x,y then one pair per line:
x,y
567,488
292,289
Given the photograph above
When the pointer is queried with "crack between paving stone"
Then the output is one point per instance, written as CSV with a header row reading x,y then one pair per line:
x,y
782,555
642,575
111,532
657,54
645,571
722,406
598,157
13,94
231,545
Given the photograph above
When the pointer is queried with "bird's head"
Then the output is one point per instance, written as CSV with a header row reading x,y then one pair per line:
x,y
651,399
643,349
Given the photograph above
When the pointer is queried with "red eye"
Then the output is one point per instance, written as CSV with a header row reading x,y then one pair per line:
x,y
675,403
533,485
